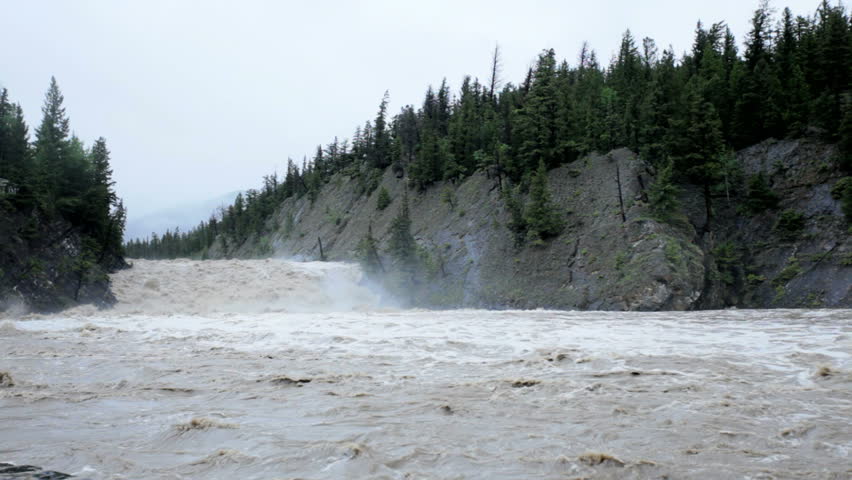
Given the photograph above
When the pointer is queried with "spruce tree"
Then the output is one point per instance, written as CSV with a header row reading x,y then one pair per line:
x,y
368,253
381,148
542,215
15,155
401,245
383,199
537,119
663,192
52,143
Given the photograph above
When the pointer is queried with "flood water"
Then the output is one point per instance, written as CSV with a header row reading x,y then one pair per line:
x,y
268,369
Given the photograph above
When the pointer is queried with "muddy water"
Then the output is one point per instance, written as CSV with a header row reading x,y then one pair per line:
x,y
275,370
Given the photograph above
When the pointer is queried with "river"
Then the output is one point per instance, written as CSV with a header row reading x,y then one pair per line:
x,y
268,369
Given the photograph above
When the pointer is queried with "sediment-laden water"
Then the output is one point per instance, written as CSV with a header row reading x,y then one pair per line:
x,y
279,370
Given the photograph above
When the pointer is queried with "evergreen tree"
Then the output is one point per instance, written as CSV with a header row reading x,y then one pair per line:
x,y
663,193
368,253
401,245
517,220
845,146
542,217
757,113
537,119
699,149
15,156
52,144
383,199
381,149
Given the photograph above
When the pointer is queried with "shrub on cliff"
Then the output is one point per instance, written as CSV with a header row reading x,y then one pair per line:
x,y
842,190
383,200
760,197
790,224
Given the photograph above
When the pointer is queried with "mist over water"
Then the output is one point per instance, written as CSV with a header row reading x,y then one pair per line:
x,y
271,369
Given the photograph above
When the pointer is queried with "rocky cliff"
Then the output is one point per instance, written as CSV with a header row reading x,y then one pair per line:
x,y
44,267
613,254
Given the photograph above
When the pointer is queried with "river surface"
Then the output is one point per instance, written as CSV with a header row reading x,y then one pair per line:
x,y
268,369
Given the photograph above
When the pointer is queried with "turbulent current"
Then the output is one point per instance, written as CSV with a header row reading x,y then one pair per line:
x,y
269,369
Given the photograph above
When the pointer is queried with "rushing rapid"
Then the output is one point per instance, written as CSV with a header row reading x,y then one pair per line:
x,y
269,369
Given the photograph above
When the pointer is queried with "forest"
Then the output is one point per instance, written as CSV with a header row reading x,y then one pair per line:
x,y
55,180
685,117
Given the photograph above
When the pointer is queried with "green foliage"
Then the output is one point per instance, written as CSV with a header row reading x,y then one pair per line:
x,y
367,253
369,180
58,178
788,273
790,225
542,217
663,193
759,197
383,200
620,261
842,191
727,262
845,153
448,197
674,253
517,223
333,216
289,224
401,246
684,115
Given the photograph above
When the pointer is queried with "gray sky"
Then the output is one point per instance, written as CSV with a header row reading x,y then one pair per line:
x,y
198,98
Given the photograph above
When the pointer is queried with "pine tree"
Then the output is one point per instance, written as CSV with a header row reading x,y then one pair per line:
x,y
757,111
542,216
537,119
368,253
845,146
52,144
381,148
15,156
401,245
383,199
100,197
627,79
663,193
833,52
700,144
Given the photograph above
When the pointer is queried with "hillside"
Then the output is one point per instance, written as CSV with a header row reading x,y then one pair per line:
x,y
599,261
503,194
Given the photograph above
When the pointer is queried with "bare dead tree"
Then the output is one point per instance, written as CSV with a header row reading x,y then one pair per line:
x,y
496,69
584,56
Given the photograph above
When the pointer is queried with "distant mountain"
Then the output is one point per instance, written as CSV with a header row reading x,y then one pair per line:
x,y
185,216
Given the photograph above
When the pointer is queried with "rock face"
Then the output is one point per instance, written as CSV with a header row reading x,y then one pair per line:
x,y
601,260
42,267
612,255
810,266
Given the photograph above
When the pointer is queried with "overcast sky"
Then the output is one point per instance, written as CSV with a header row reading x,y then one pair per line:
x,y
199,98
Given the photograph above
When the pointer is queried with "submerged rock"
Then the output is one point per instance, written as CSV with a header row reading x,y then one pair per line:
x,y
9,471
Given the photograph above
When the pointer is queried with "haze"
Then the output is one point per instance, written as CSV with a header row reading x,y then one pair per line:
x,y
201,98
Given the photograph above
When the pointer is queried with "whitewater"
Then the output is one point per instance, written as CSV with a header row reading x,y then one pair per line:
x,y
271,369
